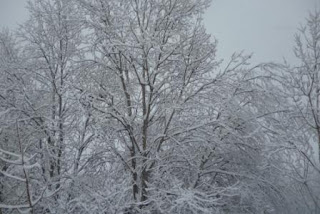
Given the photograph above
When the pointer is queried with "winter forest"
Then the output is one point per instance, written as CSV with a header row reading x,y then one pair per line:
x,y
122,107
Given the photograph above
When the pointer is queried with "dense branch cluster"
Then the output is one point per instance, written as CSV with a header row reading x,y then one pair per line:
x,y
121,106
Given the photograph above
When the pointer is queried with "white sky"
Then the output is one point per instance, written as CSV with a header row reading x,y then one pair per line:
x,y
264,27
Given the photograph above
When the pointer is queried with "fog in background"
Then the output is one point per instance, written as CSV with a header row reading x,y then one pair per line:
x,y
263,27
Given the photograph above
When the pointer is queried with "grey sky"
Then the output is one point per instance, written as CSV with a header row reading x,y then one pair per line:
x,y
265,27
12,12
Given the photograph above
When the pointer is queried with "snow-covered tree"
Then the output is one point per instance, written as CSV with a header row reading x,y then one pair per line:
x,y
300,87
121,106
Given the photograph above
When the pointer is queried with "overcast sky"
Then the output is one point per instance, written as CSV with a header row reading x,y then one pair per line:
x,y
264,27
